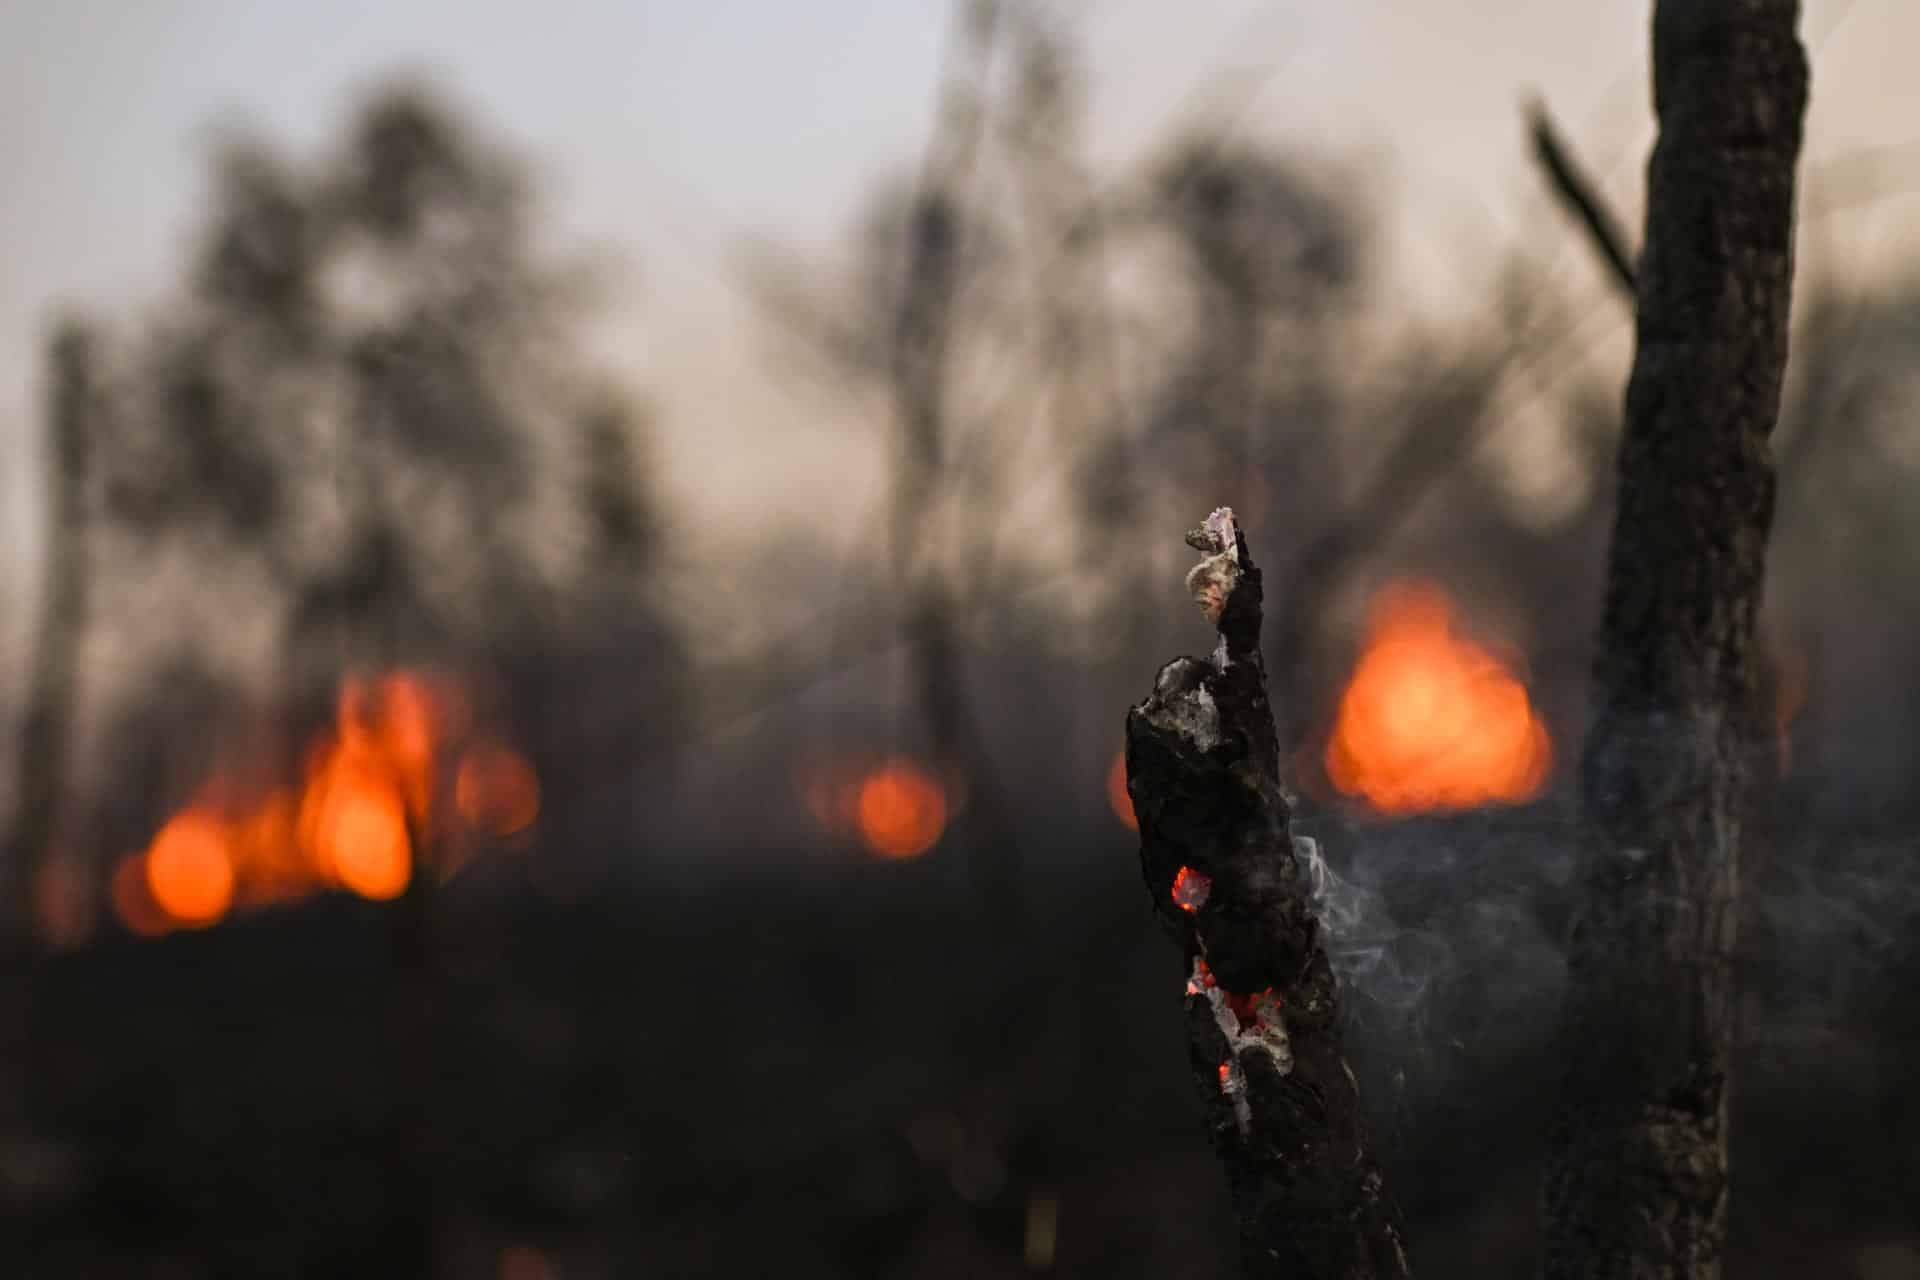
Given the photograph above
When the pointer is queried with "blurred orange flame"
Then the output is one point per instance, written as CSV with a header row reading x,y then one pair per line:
x,y
355,821
1118,798
496,790
190,868
368,796
901,810
1431,721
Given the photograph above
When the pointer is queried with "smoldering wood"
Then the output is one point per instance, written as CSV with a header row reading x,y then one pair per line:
x,y
1284,1108
1638,1171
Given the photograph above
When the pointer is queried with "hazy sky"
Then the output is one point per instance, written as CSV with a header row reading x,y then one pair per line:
x,y
665,131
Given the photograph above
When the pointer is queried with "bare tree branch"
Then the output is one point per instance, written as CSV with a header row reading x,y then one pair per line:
x,y
1577,192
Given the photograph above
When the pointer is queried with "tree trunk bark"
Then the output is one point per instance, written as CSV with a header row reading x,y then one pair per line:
x,y
1637,1181
1236,890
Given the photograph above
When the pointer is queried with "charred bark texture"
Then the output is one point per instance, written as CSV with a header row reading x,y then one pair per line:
x,y
1637,1182
1227,880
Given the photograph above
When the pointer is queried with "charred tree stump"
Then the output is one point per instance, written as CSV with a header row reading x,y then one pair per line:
x,y
1235,889
1637,1176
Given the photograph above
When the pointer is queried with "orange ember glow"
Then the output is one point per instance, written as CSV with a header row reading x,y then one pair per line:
x,y
1431,721
1117,797
496,790
1226,1073
1191,889
190,868
901,810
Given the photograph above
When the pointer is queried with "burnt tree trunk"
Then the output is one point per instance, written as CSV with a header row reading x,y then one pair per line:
x,y
1637,1181
1236,890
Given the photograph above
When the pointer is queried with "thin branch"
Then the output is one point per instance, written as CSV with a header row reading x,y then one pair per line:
x,y
1577,192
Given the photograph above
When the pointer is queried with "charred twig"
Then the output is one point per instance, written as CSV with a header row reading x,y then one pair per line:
x,y
1235,889
1582,199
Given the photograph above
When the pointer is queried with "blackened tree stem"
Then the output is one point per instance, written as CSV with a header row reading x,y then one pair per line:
x,y
1638,1173
1236,892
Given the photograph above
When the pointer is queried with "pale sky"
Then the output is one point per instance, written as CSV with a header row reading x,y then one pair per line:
x,y
666,131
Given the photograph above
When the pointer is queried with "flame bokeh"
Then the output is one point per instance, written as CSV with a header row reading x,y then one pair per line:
x,y
190,868
365,814
496,790
896,807
1431,721
902,810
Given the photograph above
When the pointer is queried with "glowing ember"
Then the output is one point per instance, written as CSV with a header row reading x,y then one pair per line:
x,y
901,810
1255,1007
1117,797
1191,888
190,868
496,790
1431,721
1202,977
1226,1074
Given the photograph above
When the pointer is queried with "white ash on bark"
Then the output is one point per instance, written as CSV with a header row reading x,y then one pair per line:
x,y
1263,1030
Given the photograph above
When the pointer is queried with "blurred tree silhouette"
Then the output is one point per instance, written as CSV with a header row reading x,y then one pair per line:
x,y
371,387
361,430
363,427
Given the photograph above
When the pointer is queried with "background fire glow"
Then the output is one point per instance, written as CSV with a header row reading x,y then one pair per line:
x,y
897,808
367,811
1430,720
